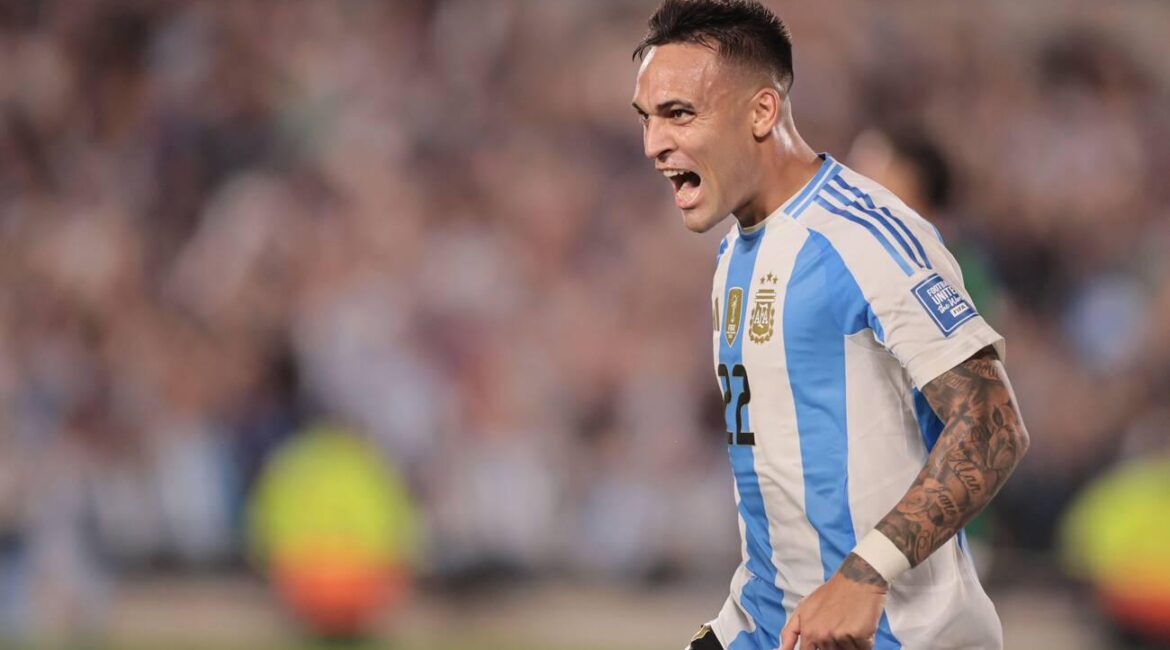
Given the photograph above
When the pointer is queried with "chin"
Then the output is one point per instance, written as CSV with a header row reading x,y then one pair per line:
x,y
700,221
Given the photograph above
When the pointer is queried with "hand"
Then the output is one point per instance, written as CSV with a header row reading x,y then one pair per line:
x,y
842,614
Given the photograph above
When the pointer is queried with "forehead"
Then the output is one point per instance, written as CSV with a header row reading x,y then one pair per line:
x,y
679,71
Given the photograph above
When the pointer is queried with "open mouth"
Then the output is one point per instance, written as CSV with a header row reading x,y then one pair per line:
x,y
686,186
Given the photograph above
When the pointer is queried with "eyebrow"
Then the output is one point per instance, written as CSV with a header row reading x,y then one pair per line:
x,y
667,105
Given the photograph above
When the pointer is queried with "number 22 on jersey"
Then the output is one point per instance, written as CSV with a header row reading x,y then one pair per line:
x,y
728,384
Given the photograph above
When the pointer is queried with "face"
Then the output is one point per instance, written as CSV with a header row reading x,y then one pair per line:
x,y
696,127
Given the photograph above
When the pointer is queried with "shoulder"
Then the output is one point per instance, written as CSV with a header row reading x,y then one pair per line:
x,y
874,196
869,226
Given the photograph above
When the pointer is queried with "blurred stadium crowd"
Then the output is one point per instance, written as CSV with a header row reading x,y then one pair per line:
x,y
432,221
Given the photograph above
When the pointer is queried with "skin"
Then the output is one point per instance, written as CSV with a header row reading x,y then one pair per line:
x,y
730,124
733,126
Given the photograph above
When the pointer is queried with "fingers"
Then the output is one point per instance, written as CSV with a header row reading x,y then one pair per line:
x,y
790,633
860,643
856,643
824,643
842,643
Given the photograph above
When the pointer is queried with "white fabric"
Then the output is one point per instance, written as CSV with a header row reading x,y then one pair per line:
x,y
881,554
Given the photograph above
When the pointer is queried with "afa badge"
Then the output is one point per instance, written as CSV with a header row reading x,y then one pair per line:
x,y
763,319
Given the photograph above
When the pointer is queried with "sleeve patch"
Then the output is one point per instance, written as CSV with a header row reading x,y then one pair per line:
x,y
947,307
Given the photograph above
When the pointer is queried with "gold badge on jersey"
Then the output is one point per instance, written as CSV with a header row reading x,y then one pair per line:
x,y
733,315
763,318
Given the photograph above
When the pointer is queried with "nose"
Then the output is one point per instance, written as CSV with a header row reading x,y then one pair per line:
x,y
656,140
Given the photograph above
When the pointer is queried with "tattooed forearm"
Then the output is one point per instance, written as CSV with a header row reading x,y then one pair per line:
x,y
981,443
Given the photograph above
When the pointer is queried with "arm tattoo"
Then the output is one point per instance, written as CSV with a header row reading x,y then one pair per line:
x,y
982,441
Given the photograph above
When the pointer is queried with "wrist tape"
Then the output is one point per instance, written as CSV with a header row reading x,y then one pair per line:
x,y
881,554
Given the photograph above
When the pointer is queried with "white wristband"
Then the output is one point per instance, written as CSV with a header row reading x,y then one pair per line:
x,y
881,554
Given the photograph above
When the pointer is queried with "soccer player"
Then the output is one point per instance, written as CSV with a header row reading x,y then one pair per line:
x,y
868,414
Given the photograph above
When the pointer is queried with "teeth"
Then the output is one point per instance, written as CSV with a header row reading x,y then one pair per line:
x,y
671,173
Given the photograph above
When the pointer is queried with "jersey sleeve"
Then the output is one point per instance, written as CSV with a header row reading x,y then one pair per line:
x,y
921,310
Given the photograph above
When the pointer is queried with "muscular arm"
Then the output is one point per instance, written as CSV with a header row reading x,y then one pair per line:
x,y
981,443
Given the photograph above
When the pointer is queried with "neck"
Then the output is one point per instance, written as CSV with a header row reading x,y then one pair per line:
x,y
787,165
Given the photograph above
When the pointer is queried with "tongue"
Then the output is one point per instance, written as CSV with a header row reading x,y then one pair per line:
x,y
687,190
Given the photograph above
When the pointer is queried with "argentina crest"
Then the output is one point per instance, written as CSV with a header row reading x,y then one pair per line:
x,y
762,323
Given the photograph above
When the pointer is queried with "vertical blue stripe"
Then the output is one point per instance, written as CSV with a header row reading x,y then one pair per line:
x,y
929,425
841,212
823,305
760,597
877,216
805,197
869,201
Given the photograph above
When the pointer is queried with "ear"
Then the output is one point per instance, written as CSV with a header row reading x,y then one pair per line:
x,y
766,106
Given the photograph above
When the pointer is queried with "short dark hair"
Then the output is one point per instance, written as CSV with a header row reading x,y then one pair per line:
x,y
745,31
929,162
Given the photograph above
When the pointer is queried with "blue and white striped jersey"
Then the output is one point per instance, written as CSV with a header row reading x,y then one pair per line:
x,y
828,317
